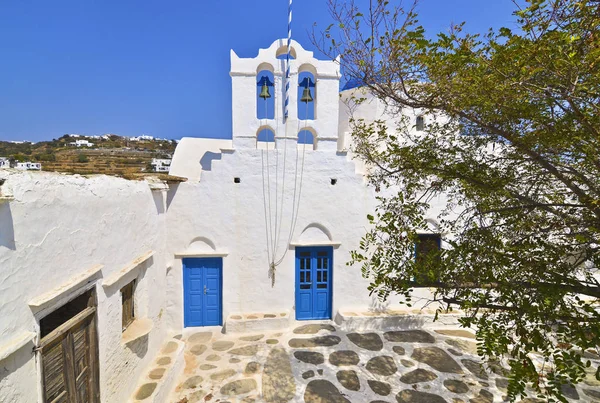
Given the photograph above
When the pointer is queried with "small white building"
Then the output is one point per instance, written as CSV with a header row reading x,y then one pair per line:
x,y
82,143
4,162
28,166
161,165
143,137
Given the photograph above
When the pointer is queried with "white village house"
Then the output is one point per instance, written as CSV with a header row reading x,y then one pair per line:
x,y
97,272
161,164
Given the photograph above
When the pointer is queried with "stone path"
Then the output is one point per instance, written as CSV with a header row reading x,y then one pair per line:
x,y
318,363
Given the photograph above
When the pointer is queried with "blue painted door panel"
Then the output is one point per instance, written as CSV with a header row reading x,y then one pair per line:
x,y
202,279
313,282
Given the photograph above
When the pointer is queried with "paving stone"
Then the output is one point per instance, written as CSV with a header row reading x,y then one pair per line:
x,y
177,337
368,341
251,317
399,350
382,365
436,358
456,386
246,351
407,363
277,335
592,393
414,396
309,357
156,373
198,349
531,400
502,384
463,345
207,367
379,401
456,333
308,374
196,396
255,337
475,368
239,387
145,391
222,345
252,368
498,369
213,357
455,352
418,375
222,375
313,328
323,391
200,337
484,384
234,360
344,357
278,384
348,379
192,382
590,378
409,336
236,317
569,391
269,315
323,341
320,371
380,388
483,397
163,361
272,341
456,400
169,348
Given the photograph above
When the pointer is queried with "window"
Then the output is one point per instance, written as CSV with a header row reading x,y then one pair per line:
x,y
127,302
427,250
420,123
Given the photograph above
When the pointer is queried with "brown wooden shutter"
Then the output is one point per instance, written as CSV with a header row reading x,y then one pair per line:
x,y
128,308
55,381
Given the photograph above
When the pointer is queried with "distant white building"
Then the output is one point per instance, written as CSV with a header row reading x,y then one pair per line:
x,y
4,163
81,143
29,166
161,165
141,138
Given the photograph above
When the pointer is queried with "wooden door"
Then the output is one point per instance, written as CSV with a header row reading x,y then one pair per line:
x,y
70,361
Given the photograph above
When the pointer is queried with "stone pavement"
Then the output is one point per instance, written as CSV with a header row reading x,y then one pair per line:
x,y
318,363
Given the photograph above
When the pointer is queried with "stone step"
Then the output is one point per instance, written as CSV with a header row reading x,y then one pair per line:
x,y
156,385
352,320
257,322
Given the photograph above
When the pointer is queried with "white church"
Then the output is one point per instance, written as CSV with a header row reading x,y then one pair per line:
x,y
97,272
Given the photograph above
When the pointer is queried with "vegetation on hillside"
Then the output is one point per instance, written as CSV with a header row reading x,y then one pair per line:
x,y
115,155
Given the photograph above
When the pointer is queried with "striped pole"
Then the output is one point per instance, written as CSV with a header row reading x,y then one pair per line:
x,y
287,71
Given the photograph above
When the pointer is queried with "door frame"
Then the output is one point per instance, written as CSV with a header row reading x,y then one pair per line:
x,y
184,266
314,248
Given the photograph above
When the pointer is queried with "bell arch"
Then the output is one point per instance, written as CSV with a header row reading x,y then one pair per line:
x,y
307,138
265,84
265,138
307,95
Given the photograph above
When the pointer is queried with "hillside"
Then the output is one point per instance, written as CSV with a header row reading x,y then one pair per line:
x,y
112,155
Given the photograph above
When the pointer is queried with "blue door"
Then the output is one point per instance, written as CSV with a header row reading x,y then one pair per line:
x,y
313,282
202,291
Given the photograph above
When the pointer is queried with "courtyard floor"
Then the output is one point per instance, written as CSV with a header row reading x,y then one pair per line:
x,y
319,363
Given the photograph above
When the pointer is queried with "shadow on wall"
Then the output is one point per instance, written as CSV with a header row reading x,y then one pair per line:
x,y
159,202
139,346
7,232
15,361
171,193
207,159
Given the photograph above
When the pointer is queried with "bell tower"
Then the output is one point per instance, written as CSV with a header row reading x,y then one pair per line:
x,y
253,87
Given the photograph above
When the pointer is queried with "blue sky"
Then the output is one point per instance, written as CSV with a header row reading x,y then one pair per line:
x,y
154,67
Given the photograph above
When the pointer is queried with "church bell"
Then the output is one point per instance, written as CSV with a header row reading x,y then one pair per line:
x,y
306,96
264,91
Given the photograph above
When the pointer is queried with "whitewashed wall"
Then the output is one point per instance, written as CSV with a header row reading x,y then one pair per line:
x,y
57,227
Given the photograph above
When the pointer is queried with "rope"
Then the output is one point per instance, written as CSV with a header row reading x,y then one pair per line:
x,y
287,58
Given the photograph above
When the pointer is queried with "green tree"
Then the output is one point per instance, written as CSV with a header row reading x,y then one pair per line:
x,y
511,142
82,158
